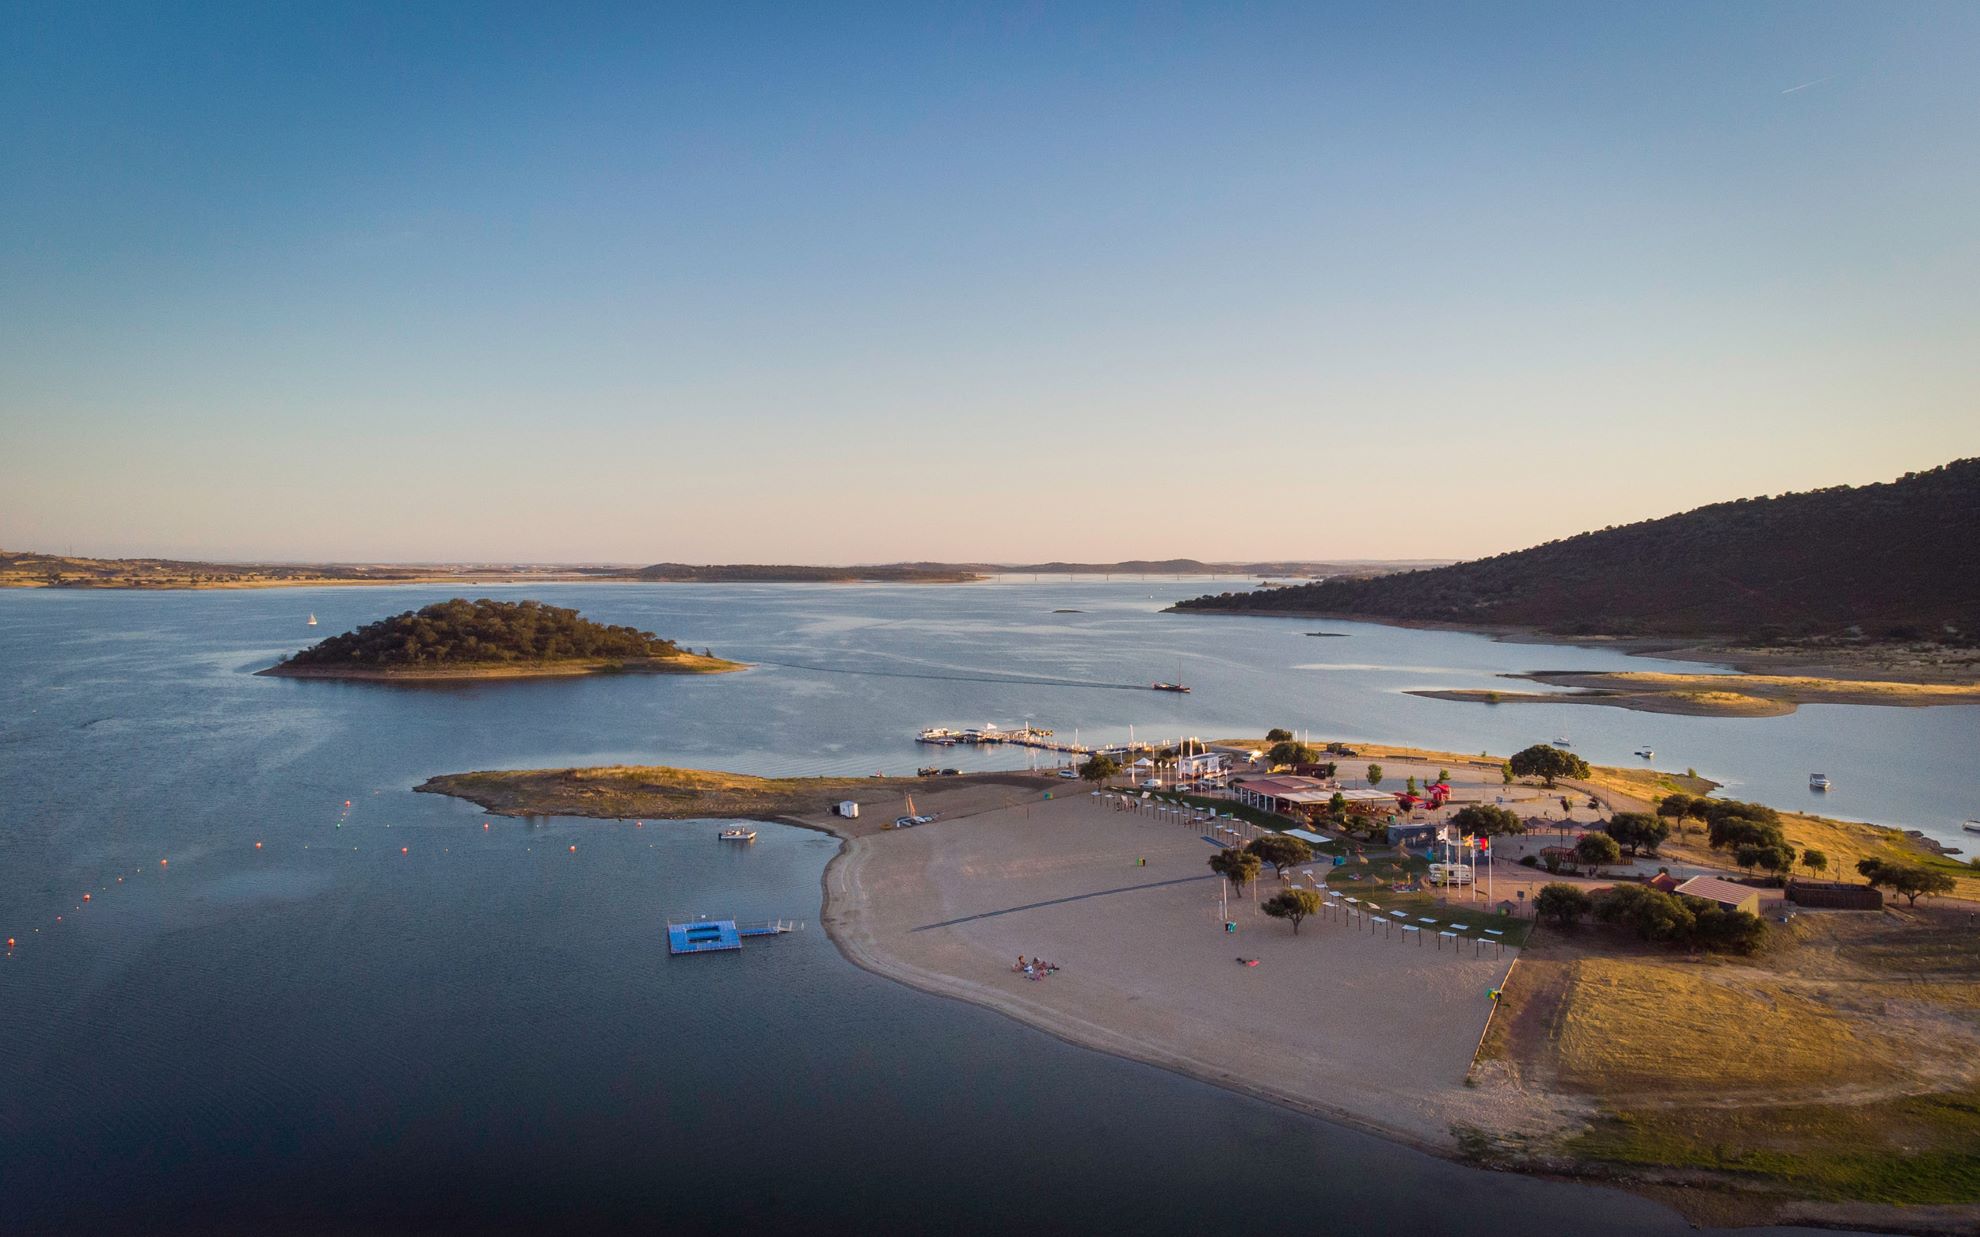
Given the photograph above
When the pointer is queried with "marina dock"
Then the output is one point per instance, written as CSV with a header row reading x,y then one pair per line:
x,y
1020,736
700,936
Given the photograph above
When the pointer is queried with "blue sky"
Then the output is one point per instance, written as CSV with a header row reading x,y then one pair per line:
x,y
830,283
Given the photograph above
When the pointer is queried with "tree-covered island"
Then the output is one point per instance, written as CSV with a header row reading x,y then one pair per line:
x,y
462,639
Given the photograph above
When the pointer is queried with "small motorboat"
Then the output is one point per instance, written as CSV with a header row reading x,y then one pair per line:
x,y
1169,687
1818,781
1971,826
738,833
1645,752
1562,743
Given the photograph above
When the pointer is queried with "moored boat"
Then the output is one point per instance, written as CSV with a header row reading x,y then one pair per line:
x,y
738,833
1818,781
1972,826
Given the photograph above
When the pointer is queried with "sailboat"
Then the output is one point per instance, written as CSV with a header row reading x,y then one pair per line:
x,y
911,818
312,619
1176,686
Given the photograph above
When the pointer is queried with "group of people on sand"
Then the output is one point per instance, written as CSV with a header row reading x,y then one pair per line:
x,y
1037,968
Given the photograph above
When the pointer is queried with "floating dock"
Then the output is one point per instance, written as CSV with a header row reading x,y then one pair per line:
x,y
700,936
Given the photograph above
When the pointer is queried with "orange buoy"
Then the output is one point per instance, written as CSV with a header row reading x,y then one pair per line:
x,y
402,850
10,942
574,850
257,846
164,863
347,803
85,897
484,824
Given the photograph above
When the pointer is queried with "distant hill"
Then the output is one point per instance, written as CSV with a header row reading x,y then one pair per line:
x,y
1896,561
30,570
754,573
1197,567
64,571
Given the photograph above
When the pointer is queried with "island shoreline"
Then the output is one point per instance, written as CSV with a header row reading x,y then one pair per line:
x,y
496,671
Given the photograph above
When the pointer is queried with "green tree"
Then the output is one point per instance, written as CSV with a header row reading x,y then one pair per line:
x,y
1505,772
1912,880
1337,806
1239,867
1410,784
1562,903
1724,931
1099,767
1281,852
1637,831
1487,820
1278,734
1596,850
1291,904
1547,763
1374,775
1676,806
1444,776
1814,860
1650,913
1291,752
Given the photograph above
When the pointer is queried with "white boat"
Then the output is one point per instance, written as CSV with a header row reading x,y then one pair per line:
x,y
312,620
1818,781
738,834
1972,826
1562,743
1645,752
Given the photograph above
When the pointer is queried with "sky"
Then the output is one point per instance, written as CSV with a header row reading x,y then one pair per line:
x,y
862,283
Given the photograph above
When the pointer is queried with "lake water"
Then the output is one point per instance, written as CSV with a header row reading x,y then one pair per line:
x,y
388,1018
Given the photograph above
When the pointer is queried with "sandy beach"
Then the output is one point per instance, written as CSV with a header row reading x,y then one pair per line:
x,y
1375,1027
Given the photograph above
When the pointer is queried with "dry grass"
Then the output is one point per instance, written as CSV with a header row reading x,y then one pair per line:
x,y
1748,693
1616,1008
1844,1064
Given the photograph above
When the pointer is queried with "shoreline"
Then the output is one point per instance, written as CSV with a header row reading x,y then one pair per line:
x,y
1705,695
879,900
1872,663
690,664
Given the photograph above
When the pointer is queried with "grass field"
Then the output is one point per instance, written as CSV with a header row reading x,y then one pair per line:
x,y
1843,1064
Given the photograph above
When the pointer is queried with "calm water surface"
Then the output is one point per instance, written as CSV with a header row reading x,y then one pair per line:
x,y
387,1018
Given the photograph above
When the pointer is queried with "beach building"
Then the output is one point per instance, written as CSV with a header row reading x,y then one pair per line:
x,y
1727,895
1283,793
1213,767
1291,795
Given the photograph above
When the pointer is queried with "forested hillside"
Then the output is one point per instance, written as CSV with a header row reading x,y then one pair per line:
x,y
1896,561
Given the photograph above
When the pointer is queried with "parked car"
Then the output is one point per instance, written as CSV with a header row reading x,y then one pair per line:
x,y
1151,783
1068,773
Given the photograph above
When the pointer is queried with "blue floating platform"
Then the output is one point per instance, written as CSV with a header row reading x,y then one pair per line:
x,y
700,936
703,936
